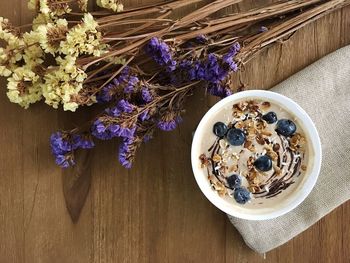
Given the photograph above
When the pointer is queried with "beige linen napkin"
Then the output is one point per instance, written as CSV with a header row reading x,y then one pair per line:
x,y
323,90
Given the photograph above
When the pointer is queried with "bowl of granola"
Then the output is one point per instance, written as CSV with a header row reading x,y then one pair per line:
x,y
256,155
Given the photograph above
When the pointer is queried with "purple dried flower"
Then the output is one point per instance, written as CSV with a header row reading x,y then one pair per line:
x,y
124,153
209,70
63,162
107,132
235,48
127,132
125,106
60,148
100,128
232,64
144,116
130,85
229,57
191,71
124,74
201,70
218,90
185,72
169,125
114,129
63,145
100,131
160,53
214,72
59,145
146,95
212,69
107,92
114,112
82,142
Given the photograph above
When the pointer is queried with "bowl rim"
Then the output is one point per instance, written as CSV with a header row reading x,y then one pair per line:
x,y
305,120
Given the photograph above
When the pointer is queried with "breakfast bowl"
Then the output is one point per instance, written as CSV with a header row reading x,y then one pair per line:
x,y
256,155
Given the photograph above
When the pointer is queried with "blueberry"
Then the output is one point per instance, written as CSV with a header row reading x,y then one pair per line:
x,y
235,136
241,195
220,129
270,117
286,127
263,163
234,181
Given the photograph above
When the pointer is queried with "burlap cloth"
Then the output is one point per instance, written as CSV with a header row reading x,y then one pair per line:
x,y
323,90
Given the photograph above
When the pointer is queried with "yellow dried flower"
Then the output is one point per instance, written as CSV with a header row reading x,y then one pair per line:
x,y
33,54
50,90
51,35
31,38
63,83
19,50
44,7
114,5
25,74
84,39
4,65
24,87
68,65
55,91
70,106
54,8
5,72
8,61
10,55
89,23
41,19
8,33
33,4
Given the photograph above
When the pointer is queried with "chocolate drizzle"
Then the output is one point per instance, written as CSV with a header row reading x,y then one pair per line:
x,y
287,177
273,186
215,149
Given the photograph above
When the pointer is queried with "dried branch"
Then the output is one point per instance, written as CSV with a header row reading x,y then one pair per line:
x,y
287,27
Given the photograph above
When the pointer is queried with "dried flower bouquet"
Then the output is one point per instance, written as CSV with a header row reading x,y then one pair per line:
x,y
139,63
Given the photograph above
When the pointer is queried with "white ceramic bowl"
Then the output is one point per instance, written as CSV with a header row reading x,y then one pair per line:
x,y
304,187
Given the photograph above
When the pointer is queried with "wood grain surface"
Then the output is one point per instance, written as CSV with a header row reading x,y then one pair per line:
x,y
155,212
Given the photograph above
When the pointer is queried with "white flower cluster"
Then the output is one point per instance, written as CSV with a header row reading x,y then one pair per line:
x,y
19,61
22,61
63,82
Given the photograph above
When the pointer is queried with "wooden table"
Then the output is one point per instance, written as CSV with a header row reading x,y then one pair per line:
x,y
154,212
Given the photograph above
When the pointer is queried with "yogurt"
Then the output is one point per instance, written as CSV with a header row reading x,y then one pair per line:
x,y
264,159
